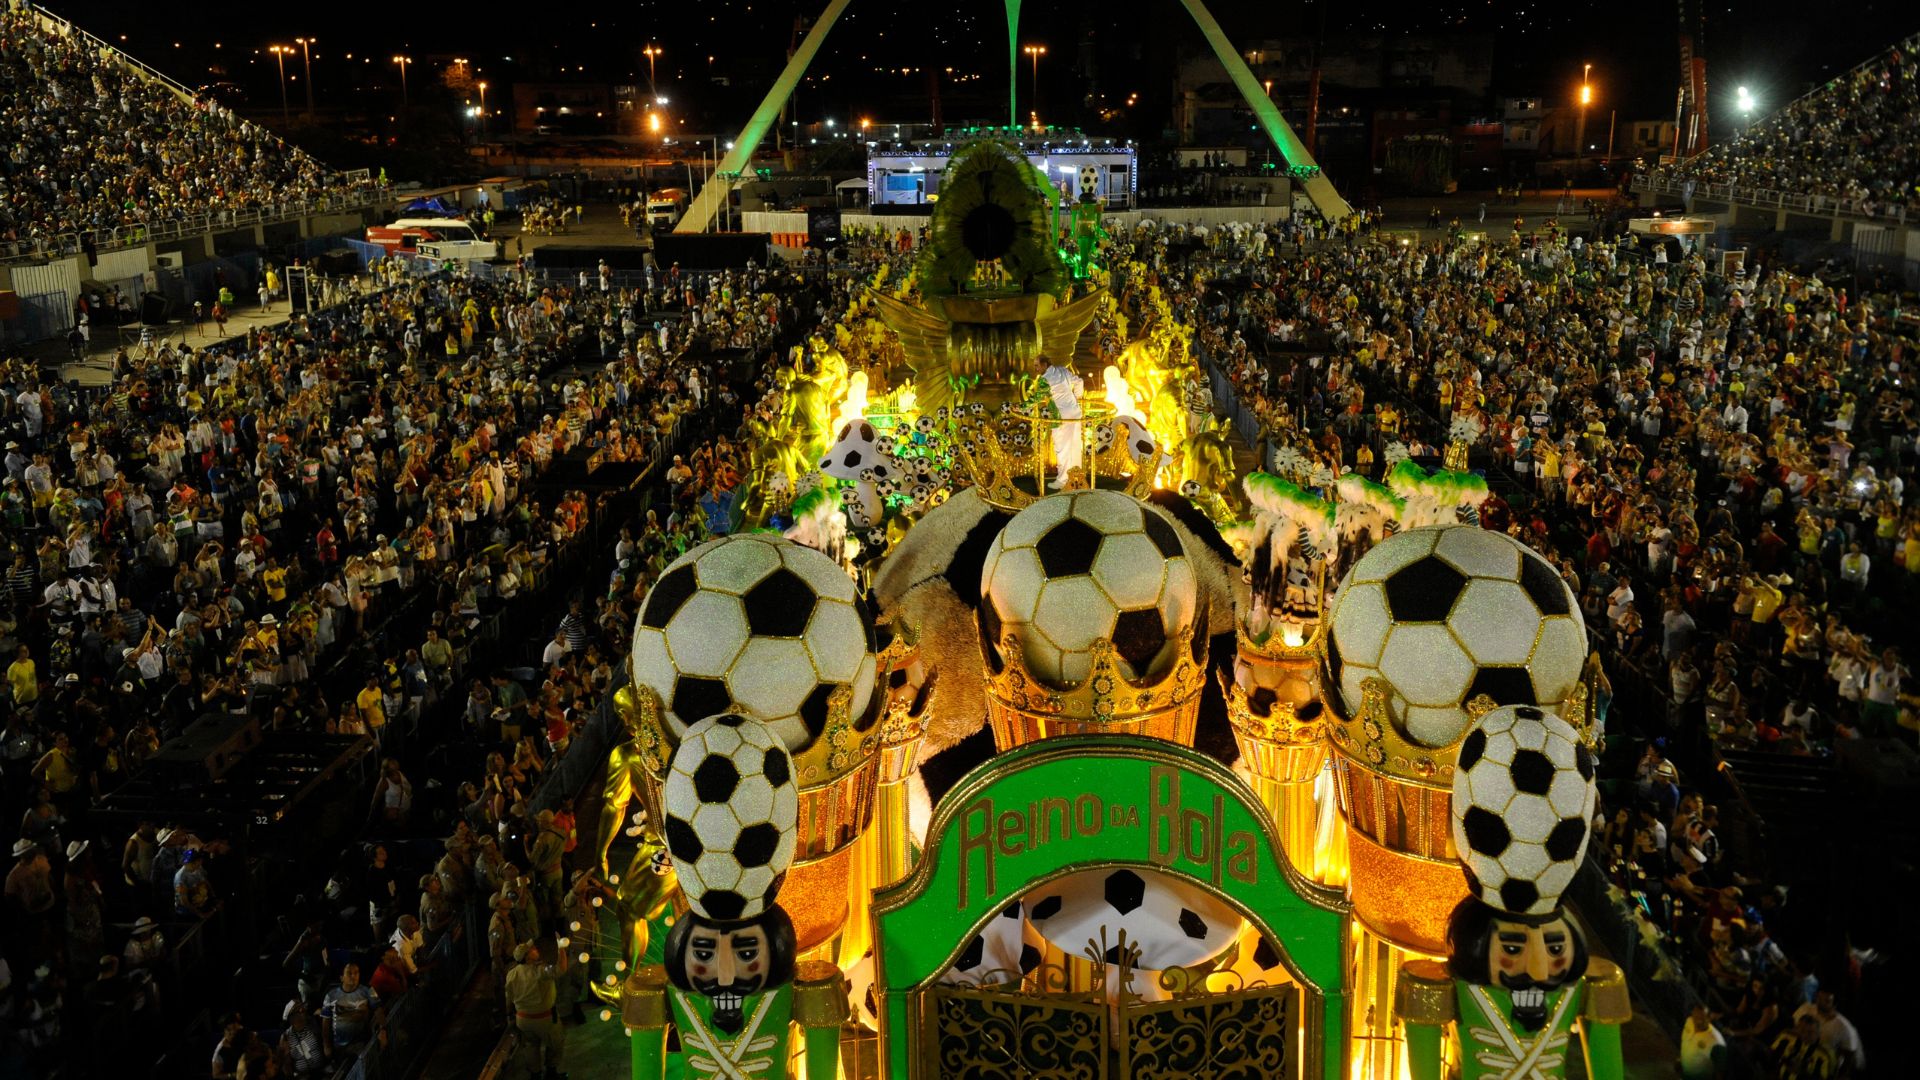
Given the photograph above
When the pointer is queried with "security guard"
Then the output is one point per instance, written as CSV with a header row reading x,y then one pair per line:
x,y
579,917
531,994
501,942
548,852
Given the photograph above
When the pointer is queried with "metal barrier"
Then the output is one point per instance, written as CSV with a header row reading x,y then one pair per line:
x,y
132,235
42,316
1690,190
413,1021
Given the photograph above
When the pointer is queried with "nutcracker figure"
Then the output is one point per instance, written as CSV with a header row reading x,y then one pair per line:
x,y
1518,987
730,988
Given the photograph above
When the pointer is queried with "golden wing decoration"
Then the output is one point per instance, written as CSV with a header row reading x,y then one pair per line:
x,y
923,337
1060,329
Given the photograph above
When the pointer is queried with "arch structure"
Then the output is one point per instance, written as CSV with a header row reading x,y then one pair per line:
x,y
1058,806
1300,162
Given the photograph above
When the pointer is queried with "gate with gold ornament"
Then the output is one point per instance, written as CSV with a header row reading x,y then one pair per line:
x,y
1116,801
1000,1034
1011,1032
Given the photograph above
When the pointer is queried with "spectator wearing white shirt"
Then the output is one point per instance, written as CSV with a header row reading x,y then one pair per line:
x,y
1837,1034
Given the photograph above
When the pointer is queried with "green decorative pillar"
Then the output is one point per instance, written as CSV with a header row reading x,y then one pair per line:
x,y
1013,63
708,202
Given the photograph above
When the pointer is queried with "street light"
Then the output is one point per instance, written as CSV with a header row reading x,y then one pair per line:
x,y
306,57
651,52
403,61
1036,52
1743,97
483,109
280,58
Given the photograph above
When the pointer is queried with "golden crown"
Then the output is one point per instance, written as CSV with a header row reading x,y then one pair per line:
x,y
1276,650
1014,476
1023,708
905,720
1370,740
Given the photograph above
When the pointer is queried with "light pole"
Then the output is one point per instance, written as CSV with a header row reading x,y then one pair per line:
x,y
403,61
651,52
280,58
483,110
1744,99
1036,52
1580,129
306,57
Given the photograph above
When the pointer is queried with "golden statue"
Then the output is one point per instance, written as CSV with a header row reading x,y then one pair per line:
x,y
642,890
1207,462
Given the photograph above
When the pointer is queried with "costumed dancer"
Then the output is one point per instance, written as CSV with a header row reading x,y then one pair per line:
x,y
1518,985
1065,388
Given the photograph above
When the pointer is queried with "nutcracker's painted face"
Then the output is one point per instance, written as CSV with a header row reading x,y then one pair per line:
x,y
729,962
1526,957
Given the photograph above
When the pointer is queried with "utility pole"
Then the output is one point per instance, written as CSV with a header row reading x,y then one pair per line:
x,y
1580,129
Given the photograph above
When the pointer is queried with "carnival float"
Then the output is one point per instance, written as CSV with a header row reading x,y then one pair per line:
x,y
1016,735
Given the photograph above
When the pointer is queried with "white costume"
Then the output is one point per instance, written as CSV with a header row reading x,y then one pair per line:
x,y
1065,388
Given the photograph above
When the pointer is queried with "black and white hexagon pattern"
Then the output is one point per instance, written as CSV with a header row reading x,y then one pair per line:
x,y
1003,951
731,807
1083,566
1138,440
1446,613
1523,799
759,625
863,997
855,450
1174,923
1267,685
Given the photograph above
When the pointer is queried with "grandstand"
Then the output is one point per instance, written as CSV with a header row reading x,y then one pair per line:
x,y
1849,149
116,170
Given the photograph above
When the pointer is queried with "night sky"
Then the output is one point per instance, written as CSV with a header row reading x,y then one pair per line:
x,y
1773,46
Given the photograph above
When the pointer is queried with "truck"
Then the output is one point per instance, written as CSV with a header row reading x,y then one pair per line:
x,y
433,237
664,207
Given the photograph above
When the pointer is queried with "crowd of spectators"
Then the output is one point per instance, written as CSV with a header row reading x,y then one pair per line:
x,y
95,143
1719,467
1856,138
315,526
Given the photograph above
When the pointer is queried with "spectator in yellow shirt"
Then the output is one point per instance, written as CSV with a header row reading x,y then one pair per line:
x,y
57,769
274,580
23,679
373,710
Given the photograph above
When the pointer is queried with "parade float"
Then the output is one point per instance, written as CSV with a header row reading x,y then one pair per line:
x,y
1016,736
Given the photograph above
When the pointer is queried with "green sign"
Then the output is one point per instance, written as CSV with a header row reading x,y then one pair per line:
x,y
1068,804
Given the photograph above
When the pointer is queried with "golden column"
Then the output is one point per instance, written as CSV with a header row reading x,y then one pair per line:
x,y
1279,723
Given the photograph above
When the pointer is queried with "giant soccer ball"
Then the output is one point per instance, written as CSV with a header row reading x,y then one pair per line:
x,y
1172,922
1001,952
1445,613
759,625
1082,566
1523,798
731,809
